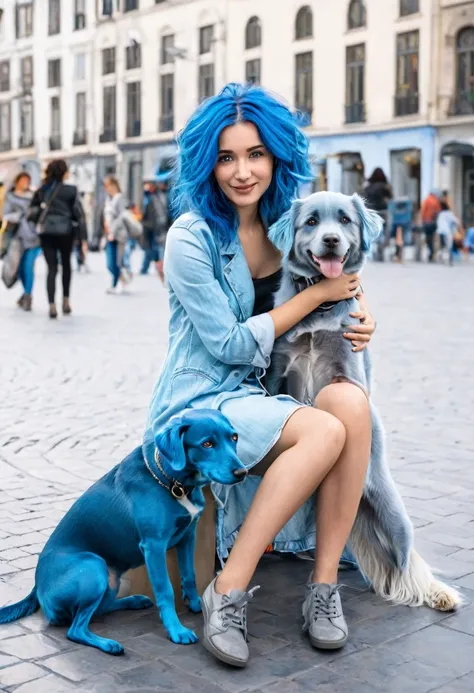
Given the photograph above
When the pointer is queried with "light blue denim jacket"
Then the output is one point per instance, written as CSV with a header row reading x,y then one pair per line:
x,y
214,343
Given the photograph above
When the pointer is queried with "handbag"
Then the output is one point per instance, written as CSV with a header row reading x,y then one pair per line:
x,y
11,262
43,209
7,231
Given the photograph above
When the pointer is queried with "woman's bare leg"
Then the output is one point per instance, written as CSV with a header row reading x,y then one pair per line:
x,y
309,446
340,492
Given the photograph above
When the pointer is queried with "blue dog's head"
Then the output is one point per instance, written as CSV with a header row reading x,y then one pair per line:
x,y
199,447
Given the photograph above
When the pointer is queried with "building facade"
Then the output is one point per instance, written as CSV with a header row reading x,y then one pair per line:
x,y
108,83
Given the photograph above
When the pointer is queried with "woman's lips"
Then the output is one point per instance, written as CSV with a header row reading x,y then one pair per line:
x,y
243,189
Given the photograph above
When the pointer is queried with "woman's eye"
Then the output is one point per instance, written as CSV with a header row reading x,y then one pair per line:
x,y
345,220
208,444
235,437
224,159
256,155
311,221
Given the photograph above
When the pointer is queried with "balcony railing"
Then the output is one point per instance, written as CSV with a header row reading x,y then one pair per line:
x,y
25,141
166,123
79,137
55,142
355,112
462,103
108,135
134,128
406,103
5,145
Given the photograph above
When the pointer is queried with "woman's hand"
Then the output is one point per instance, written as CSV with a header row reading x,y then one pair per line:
x,y
344,287
361,334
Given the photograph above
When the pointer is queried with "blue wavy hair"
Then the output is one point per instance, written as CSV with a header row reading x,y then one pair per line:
x,y
196,189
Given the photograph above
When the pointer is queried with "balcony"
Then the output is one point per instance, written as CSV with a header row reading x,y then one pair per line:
x,y
5,145
134,128
355,113
109,134
305,116
26,141
406,103
166,123
79,137
462,103
55,142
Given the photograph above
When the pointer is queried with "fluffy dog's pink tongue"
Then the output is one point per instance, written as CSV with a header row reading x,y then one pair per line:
x,y
331,267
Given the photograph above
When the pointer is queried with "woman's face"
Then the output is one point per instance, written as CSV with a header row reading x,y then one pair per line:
x,y
23,184
244,167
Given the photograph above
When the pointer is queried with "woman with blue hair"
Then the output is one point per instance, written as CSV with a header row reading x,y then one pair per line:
x,y
241,158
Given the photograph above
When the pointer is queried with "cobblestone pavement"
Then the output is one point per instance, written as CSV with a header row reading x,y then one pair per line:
x,y
74,395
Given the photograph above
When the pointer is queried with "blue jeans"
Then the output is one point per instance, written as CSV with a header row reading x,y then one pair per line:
x,y
151,251
26,271
127,254
111,253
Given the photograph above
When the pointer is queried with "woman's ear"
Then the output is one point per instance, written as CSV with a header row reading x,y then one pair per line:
x,y
282,232
371,223
170,444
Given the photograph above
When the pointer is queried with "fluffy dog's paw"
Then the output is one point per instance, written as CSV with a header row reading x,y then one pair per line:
x,y
443,598
141,602
183,636
194,605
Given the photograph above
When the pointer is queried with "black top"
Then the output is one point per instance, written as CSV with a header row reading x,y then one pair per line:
x,y
377,195
265,287
65,214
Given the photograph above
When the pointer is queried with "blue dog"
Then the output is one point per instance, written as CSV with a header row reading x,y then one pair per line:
x,y
132,516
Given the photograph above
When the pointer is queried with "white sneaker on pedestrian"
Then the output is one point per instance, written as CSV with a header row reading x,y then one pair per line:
x,y
111,290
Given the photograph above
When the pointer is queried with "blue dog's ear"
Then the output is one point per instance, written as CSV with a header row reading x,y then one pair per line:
x,y
282,232
169,442
371,223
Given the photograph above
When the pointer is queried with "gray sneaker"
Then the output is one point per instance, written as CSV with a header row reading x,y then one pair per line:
x,y
225,624
323,617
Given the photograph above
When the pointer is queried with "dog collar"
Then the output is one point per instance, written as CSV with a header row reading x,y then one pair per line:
x,y
302,283
176,488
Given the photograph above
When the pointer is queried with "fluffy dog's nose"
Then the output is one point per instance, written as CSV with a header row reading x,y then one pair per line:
x,y
330,240
240,473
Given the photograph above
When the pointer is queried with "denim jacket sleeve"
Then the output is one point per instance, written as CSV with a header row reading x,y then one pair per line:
x,y
191,275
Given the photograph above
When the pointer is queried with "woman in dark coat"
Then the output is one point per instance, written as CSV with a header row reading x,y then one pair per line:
x,y
61,222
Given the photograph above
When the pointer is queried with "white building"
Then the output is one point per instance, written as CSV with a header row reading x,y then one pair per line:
x,y
373,78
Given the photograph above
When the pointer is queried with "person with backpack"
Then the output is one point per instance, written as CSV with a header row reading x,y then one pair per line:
x,y
156,223
430,208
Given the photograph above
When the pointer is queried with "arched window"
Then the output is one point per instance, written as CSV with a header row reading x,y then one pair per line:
x,y
465,71
253,33
356,16
304,23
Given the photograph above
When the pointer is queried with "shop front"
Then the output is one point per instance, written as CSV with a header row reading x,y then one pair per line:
x,y
456,172
141,161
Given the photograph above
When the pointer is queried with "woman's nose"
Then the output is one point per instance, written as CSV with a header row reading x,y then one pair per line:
x,y
243,172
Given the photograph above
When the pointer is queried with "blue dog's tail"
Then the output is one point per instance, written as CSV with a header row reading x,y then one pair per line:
x,y
26,607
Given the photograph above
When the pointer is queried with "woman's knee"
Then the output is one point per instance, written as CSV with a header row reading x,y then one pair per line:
x,y
316,425
346,401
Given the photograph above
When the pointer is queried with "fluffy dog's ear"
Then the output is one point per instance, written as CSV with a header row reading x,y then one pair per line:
x,y
169,442
282,232
371,223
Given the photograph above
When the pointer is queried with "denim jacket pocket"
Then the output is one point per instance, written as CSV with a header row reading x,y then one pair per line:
x,y
189,383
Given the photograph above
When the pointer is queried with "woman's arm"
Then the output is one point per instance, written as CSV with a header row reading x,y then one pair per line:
x,y
191,274
361,334
80,218
11,212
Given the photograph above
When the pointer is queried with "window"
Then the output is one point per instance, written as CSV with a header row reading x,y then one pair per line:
x,y
355,72
26,70
5,75
253,71
133,56
304,83
108,61
109,114
26,124
107,8
80,66
304,23
356,16
206,39
54,17
24,20
253,33
80,131
79,15
206,81
55,137
464,100
54,73
5,127
409,7
406,96
133,109
130,5
166,103
167,42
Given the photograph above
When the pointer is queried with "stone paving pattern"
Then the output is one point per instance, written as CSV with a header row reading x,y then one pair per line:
x,y
73,400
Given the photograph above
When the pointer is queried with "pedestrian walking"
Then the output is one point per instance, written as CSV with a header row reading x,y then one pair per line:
x,y
156,222
17,203
446,226
377,193
57,211
430,208
120,226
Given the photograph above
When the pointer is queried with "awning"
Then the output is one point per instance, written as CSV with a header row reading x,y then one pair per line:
x,y
455,148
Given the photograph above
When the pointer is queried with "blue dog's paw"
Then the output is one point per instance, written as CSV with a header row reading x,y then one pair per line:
x,y
194,605
141,602
111,647
182,636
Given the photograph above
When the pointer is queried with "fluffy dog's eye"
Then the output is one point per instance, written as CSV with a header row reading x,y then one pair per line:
x,y
345,220
235,437
208,444
312,221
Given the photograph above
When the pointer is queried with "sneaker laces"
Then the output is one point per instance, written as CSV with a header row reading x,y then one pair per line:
x,y
233,612
324,607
